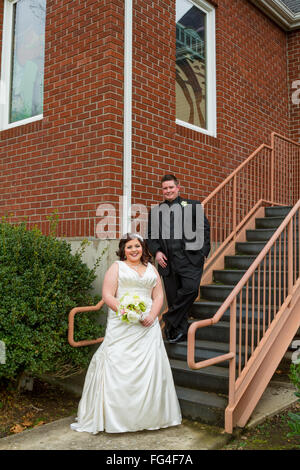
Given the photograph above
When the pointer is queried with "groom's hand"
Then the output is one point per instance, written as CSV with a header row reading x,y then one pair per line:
x,y
148,321
161,259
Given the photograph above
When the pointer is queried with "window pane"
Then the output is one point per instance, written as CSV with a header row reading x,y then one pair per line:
x,y
28,59
190,64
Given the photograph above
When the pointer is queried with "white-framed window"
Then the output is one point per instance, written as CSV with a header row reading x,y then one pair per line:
x,y
196,66
22,64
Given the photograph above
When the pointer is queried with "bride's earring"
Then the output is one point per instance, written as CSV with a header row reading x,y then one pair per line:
x,y
125,257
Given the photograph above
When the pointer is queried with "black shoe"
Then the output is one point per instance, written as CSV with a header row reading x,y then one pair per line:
x,y
179,338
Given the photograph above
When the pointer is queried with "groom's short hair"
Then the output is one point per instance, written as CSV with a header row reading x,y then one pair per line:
x,y
170,178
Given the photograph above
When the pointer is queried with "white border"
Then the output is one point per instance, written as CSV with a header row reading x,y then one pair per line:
x,y
6,70
211,103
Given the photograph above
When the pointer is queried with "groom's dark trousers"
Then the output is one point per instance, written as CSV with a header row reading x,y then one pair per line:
x,y
181,287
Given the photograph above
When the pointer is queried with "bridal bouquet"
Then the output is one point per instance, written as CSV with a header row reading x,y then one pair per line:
x,y
131,308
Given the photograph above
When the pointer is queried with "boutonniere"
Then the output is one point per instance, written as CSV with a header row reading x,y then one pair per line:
x,y
184,203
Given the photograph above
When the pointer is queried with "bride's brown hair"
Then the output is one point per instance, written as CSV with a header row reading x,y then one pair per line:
x,y
146,255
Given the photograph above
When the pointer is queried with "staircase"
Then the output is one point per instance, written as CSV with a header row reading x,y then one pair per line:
x,y
203,393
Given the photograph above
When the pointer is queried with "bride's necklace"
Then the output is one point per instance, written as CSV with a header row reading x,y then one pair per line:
x,y
134,266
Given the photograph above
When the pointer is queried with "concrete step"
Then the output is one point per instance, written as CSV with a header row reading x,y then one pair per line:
x,y
204,309
277,211
254,248
209,349
263,234
208,379
238,261
268,222
233,276
242,261
220,332
218,292
206,407
259,234
203,350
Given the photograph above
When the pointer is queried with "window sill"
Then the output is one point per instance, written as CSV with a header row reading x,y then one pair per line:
x,y
196,128
22,123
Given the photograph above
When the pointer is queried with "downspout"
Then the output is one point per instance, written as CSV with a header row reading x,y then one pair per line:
x,y
127,149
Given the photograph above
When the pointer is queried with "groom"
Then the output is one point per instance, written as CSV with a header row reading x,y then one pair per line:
x,y
179,240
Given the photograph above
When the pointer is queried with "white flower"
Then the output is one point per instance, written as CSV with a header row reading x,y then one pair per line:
x,y
133,317
184,203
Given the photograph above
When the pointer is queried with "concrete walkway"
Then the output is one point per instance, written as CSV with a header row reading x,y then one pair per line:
x,y
188,436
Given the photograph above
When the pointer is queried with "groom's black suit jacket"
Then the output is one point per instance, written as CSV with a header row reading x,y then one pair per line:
x,y
195,257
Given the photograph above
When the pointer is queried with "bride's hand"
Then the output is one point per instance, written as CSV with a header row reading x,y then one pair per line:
x,y
148,321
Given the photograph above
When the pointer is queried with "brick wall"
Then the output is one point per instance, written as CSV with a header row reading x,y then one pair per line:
x,y
294,75
251,97
72,159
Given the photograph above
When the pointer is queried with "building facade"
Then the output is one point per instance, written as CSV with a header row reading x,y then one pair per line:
x,y
204,84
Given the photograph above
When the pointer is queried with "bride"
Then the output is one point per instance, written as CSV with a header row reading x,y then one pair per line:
x,y
129,384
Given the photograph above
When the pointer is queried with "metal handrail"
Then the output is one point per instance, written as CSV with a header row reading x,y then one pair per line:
x,y
72,314
234,293
282,166
229,179
253,180
245,162
234,173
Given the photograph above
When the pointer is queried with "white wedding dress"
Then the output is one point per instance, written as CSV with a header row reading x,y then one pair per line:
x,y
129,384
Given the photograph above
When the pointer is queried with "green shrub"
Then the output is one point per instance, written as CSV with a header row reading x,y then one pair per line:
x,y
294,422
40,282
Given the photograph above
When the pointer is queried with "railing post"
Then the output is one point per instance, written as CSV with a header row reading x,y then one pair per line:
x,y
232,349
272,166
290,257
234,206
